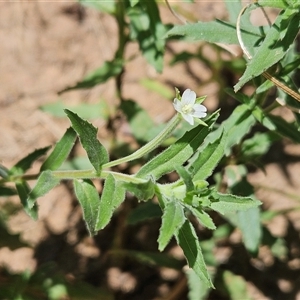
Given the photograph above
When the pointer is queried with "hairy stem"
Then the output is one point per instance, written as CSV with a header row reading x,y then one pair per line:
x,y
172,124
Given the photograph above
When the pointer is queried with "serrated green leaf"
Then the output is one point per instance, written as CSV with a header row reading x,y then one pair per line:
x,y
223,203
61,151
89,200
107,70
187,239
172,220
113,195
144,211
187,178
46,182
177,153
202,217
143,191
24,164
23,190
88,137
213,32
274,46
208,158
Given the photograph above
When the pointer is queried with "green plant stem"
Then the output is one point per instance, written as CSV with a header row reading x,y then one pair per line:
x,y
80,174
172,124
122,40
76,174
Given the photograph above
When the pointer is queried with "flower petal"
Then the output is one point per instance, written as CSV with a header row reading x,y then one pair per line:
x,y
188,97
199,111
188,118
177,105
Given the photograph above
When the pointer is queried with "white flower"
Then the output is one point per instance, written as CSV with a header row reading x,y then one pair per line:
x,y
188,108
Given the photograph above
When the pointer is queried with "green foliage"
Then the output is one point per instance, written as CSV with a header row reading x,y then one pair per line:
x,y
108,70
88,137
147,29
198,173
89,200
112,196
279,38
187,239
86,110
172,219
60,152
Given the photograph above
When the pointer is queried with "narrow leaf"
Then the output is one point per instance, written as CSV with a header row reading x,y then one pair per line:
x,y
213,32
60,151
237,125
177,153
208,158
151,258
144,211
223,203
250,226
187,239
89,111
88,137
88,198
186,176
24,164
172,219
285,129
107,70
113,195
274,47
143,191
11,241
147,29
277,4
156,86
45,183
202,217
23,190
7,191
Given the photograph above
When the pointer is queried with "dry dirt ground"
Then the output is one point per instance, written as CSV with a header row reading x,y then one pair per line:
x,y
47,46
